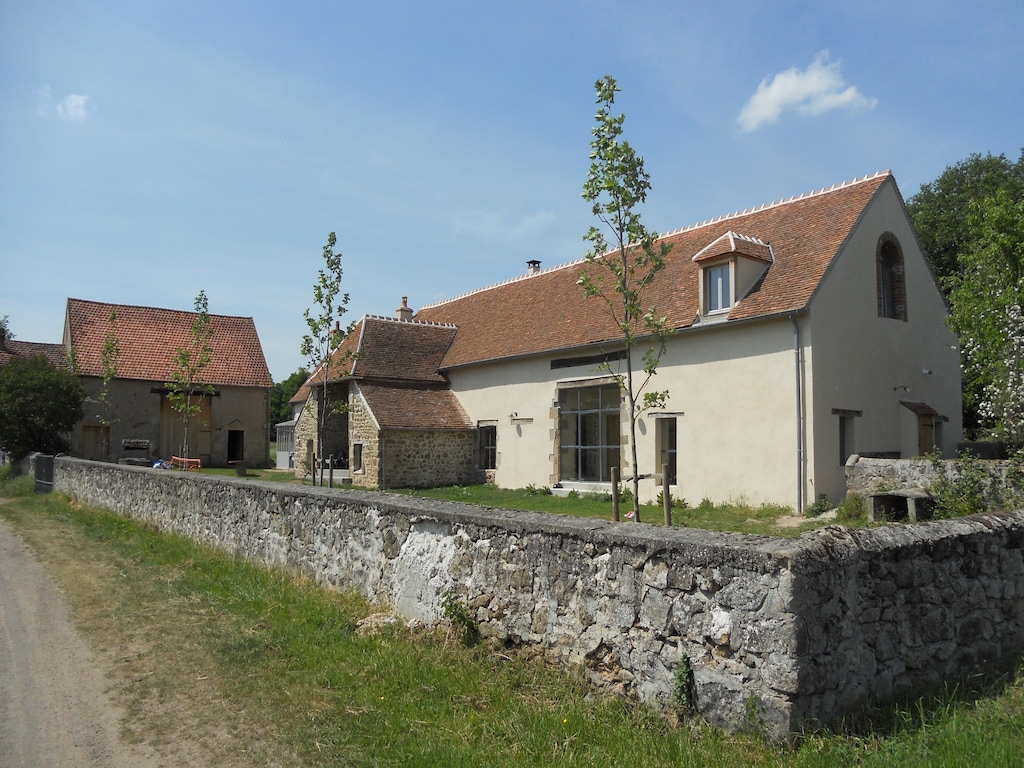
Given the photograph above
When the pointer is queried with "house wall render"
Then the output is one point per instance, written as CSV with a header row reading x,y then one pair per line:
x,y
789,633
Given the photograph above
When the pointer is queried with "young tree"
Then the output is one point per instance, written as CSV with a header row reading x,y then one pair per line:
x,y
621,272
187,387
110,355
39,405
325,335
986,300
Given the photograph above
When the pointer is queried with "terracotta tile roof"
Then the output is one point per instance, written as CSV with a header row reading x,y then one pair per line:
x,y
414,406
733,242
148,337
382,348
547,311
14,348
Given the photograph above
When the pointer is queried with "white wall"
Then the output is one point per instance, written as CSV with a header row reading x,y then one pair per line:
x,y
861,362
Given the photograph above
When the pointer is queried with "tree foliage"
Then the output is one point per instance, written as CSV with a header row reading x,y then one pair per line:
x,y
39,405
281,394
941,208
187,387
110,356
986,299
325,333
621,271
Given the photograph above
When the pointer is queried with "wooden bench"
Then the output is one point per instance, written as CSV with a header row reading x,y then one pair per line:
x,y
189,465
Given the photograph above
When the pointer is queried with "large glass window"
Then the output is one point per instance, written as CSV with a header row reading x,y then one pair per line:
x,y
590,434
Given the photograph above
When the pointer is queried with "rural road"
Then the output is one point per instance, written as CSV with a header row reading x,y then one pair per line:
x,y
54,708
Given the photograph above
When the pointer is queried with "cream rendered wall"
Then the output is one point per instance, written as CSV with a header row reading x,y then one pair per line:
x,y
860,362
735,389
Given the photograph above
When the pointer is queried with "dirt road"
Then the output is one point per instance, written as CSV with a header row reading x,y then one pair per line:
x,y
54,709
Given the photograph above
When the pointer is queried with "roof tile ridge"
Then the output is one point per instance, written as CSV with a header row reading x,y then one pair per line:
x,y
118,305
778,203
426,323
507,281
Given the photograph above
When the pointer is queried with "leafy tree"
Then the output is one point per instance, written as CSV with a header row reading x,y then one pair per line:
x,y
325,334
187,387
39,405
110,355
986,300
621,272
282,392
941,208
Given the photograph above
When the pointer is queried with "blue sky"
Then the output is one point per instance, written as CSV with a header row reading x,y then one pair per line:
x,y
152,149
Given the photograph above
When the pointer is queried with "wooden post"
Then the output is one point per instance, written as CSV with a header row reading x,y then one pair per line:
x,y
665,498
615,494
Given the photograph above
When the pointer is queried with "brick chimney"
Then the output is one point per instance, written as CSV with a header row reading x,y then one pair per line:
x,y
533,266
404,313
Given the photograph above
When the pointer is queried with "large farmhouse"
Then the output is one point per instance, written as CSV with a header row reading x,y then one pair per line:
x,y
134,418
806,331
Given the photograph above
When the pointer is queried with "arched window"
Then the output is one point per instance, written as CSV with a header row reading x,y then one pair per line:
x,y
892,286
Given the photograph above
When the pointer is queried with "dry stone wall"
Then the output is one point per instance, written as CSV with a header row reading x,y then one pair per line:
x,y
780,635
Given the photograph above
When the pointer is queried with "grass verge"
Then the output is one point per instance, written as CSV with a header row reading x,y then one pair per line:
x,y
247,666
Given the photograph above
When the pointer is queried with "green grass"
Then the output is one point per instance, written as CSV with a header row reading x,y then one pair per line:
x,y
238,641
737,516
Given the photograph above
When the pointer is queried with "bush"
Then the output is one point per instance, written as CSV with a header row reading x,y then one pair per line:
x,y
967,490
851,509
820,507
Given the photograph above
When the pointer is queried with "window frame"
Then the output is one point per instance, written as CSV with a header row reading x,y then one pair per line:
x,y
717,287
596,442
487,453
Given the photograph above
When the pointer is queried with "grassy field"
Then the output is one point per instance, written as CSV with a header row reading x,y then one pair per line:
x,y
245,666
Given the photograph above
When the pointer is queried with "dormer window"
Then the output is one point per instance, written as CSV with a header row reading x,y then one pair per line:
x,y
729,267
718,288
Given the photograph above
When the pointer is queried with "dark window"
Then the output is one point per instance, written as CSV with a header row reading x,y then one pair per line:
x,y
488,447
589,433
892,289
667,428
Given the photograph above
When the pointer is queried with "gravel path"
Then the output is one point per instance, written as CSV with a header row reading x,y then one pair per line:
x,y
54,708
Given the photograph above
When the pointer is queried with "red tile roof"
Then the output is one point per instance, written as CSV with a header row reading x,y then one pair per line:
x,y
147,338
382,348
13,348
414,406
548,312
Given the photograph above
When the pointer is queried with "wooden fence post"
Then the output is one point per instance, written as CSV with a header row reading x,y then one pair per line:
x,y
665,498
615,494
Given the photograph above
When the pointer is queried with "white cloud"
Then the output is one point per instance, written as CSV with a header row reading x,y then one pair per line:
x,y
73,107
820,88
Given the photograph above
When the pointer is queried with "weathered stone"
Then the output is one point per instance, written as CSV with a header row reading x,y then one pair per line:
x,y
779,634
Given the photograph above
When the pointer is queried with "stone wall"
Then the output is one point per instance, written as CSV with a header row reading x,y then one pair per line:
x,y
869,477
425,458
779,634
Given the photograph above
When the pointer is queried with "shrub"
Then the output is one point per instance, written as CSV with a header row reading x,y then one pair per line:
x,y
850,509
820,507
964,491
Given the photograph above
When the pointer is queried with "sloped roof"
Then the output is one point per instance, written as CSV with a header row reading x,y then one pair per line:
x,y
13,348
414,406
382,348
547,311
147,338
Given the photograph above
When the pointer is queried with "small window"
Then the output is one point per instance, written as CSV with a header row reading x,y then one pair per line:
x,y
488,436
892,287
357,457
717,288
666,429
